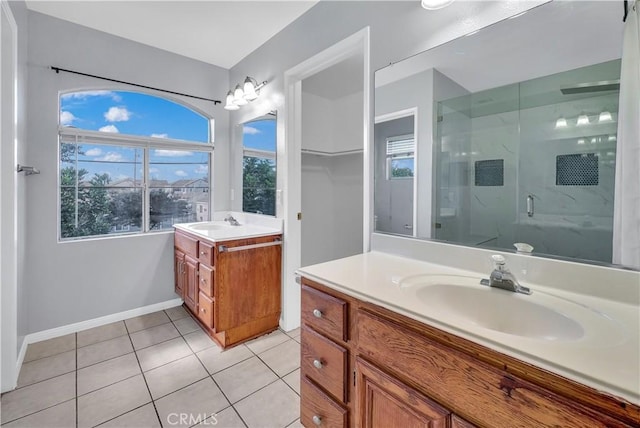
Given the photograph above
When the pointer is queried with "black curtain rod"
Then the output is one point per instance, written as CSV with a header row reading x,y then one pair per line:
x,y
58,70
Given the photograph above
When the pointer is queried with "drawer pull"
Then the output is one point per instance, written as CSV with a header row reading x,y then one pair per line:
x,y
317,364
202,253
317,420
203,310
317,313
202,280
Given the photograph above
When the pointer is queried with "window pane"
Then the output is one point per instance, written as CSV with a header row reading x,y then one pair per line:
x,y
100,190
260,135
259,185
401,168
132,113
179,187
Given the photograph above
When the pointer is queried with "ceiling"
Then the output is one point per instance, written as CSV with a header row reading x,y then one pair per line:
x,y
216,32
339,80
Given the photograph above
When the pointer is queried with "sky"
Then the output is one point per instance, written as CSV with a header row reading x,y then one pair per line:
x,y
136,114
260,134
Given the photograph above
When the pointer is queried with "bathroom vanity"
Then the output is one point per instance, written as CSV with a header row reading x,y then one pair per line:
x,y
229,278
383,345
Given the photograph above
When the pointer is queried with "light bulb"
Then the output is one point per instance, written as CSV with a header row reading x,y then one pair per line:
x,y
605,116
583,119
581,141
229,105
435,4
561,123
238,96
249,90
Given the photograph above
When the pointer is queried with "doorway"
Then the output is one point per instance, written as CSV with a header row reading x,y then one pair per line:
x,y
327,158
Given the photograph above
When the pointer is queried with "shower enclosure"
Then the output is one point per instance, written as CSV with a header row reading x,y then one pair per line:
x,y
530,162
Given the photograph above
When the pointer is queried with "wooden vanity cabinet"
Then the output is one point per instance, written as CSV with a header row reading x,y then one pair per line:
x,y
232,288
409,374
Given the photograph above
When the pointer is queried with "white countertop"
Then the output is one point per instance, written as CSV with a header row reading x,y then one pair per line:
x,y
222,231
606,358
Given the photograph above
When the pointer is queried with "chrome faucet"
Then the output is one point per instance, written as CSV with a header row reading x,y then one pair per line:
x,y
502,278
232,221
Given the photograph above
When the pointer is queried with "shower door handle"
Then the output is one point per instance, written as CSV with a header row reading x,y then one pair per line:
x,y
530,206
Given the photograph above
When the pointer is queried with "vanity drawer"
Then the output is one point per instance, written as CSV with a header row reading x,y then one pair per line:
x,y
205,309
205,254
206,280
187,244
324,313
325,362
317,409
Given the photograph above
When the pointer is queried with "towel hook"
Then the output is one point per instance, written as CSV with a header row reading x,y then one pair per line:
x,y
28,170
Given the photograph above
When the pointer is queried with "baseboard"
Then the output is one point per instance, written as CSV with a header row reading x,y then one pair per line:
x,y
96,322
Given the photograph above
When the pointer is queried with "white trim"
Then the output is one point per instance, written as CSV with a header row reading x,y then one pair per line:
x,y
97,322
256,153
289,155
413,111
332,154
9,226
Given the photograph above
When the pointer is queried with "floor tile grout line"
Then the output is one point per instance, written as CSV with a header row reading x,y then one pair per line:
x,y
41,410
125,413
144,378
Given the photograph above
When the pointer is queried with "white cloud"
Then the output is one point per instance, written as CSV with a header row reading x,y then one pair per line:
x,y
109,128
202,169
111,157
66,118
171,153
87,94
117,114
181,173
160,135
250,130
153,170
93,152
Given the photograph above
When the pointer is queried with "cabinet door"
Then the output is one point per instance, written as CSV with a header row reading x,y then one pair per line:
x,y
384,401
191,283
458,422
179,270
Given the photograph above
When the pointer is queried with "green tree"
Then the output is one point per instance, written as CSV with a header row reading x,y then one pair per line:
x,y
259,185
84,207
401,172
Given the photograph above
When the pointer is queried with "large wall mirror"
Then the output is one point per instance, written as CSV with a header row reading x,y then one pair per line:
x,y
507,135
259,165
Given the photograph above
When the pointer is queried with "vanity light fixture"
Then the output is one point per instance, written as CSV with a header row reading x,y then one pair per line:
x,y
435,4
229,105
583,119
581,141
561,123
612,138
243,94
605,116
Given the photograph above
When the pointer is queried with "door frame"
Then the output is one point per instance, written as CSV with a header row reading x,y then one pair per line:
x,y
289,149
10,361
413,111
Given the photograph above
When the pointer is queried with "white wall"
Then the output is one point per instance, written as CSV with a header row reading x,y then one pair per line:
x,y
332,185
81,280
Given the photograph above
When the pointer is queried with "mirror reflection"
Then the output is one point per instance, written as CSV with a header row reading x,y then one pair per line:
x,y
506,136
259,165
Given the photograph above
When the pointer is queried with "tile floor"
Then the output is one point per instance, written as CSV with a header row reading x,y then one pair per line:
x,y
156,370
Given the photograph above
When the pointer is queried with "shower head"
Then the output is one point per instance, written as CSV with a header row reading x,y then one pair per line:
x,y
583,88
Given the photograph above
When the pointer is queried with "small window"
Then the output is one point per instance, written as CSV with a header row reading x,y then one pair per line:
x,y
400,157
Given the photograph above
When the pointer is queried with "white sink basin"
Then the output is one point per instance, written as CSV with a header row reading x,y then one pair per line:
x,y
502,311
539,316
209,226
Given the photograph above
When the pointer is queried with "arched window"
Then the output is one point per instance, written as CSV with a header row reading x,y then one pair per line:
x,y
130,163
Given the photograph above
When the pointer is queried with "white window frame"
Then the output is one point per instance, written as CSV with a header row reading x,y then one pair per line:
x,y
78,136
